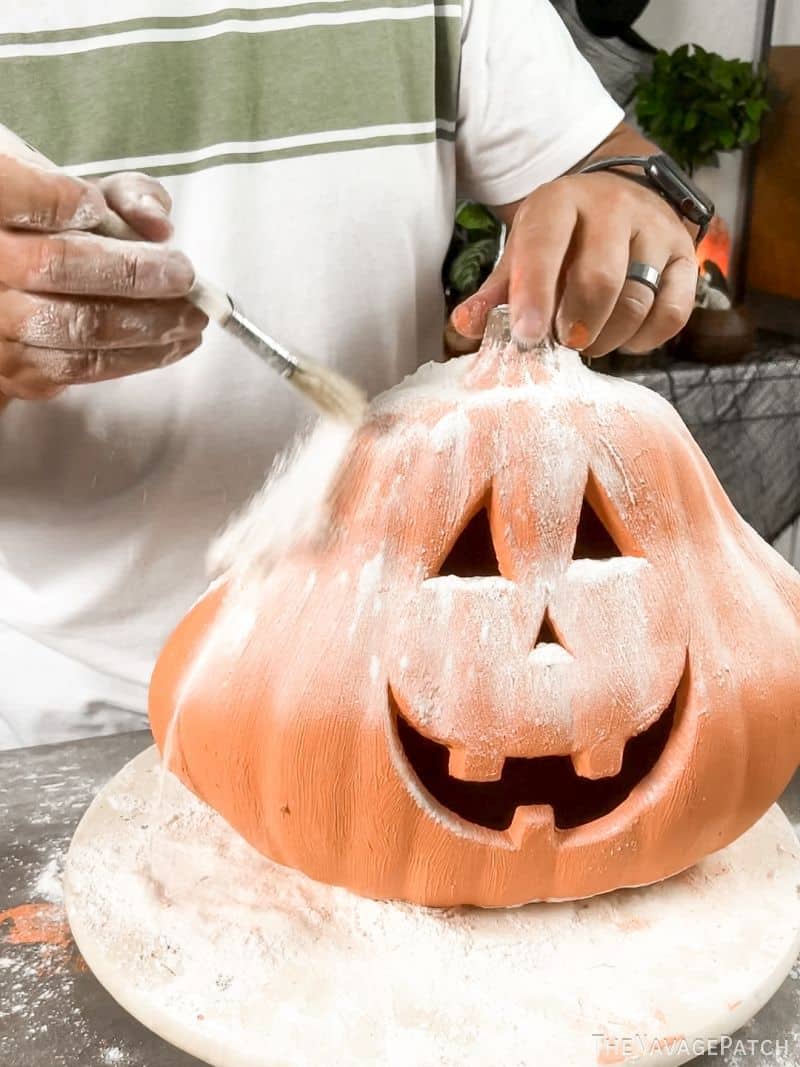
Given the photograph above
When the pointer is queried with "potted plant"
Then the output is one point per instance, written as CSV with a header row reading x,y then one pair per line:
x,y
696,104
473,251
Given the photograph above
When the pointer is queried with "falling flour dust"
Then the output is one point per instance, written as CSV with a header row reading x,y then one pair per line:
x,y
291,507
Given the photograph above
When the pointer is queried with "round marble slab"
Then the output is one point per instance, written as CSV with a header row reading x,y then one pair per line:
x,y
247,964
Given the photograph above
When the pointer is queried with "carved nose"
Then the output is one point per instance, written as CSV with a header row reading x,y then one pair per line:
x,y
549,648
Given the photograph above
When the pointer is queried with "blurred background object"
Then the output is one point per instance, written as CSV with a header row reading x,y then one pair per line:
x,y
473,250
772,257
603,31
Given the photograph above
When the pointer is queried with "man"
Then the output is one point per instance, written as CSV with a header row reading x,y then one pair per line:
x,y
311,154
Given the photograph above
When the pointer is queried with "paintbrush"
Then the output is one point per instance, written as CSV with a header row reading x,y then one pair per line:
x,y
332,393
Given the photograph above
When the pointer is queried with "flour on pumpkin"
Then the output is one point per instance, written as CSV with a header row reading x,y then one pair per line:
x,y
432,412
591,570
429,414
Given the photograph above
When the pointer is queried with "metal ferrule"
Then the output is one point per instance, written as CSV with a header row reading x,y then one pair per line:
x,y
264,346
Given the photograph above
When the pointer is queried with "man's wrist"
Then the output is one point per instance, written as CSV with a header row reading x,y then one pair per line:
x,y
654,168
662,175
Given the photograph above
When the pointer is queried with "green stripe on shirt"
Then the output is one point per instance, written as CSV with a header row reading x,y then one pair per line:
x,y
162,98
212,18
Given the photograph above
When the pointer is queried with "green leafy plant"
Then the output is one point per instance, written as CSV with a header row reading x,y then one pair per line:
x,y
696,104
472,252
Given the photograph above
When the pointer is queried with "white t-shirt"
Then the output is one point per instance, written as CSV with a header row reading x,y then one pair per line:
x,y
314,158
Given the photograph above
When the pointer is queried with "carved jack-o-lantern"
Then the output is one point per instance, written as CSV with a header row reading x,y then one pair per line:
x,y
537,654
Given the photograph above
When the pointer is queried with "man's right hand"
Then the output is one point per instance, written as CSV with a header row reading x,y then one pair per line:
x,y
75,307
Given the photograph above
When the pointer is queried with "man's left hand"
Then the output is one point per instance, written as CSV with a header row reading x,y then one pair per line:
x,y
564,269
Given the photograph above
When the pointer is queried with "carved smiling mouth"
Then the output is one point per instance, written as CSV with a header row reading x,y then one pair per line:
x,y
550,780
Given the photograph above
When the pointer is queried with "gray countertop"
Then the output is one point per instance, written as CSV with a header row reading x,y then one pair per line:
x,y
52,1011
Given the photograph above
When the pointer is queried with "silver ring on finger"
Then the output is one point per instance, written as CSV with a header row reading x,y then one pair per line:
x,y
645,274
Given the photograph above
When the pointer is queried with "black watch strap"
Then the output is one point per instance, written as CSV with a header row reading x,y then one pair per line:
x,y
661,173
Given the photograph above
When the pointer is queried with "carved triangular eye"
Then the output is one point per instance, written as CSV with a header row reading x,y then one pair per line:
x,y
593,539
473,554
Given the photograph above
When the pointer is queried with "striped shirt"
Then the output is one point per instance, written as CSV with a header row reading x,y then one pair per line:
x,y
314,150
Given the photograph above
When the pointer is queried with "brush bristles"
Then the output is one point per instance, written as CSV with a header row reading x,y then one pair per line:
x,y
331,392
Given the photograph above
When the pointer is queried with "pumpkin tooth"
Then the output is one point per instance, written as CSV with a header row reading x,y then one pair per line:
x,y
470,766
603,760
536,821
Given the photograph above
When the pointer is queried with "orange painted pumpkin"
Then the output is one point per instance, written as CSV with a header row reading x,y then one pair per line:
x,y
536,655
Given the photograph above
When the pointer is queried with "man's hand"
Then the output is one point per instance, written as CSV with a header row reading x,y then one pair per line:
x,y
565,264
75,307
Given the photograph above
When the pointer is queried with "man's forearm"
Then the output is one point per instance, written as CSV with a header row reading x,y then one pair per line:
x,y
622,141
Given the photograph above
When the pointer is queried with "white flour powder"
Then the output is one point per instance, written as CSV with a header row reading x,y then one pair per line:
x,y
292,507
